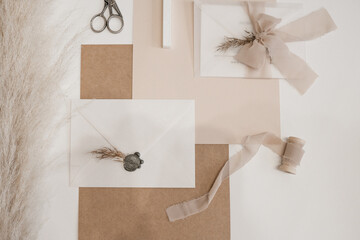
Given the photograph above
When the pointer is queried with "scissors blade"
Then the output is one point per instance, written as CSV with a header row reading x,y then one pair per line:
x,y
116,7
106,4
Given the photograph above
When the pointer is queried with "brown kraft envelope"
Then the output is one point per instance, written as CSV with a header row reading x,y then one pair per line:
x,y
138,213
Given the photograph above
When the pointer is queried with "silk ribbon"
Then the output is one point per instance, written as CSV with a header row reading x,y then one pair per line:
x,y
271,42
291,152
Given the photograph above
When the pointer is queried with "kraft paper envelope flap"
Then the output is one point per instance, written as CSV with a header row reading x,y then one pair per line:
x,y
106,71
227,109
218,19
161,130
136,214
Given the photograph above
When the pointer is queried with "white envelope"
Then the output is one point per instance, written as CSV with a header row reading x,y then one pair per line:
x,y
163,131
216,19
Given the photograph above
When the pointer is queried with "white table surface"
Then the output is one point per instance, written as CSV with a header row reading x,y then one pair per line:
x,y
323,200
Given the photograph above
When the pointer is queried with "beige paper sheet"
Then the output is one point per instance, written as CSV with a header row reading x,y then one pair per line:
x,y
227,109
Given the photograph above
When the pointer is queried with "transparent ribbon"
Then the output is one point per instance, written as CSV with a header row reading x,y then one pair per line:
x,y
291,152
271,42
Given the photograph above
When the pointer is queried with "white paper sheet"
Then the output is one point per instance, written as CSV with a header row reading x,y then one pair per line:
x,y
218,19
163,131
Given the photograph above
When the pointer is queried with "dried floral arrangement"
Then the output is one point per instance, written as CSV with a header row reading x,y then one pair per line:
x,y
131,162
231,42
30,97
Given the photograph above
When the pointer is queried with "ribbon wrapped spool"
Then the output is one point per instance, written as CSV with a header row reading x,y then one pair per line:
x,y
270,41
291,152
292,155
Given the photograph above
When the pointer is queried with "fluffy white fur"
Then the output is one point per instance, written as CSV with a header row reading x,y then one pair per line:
x,y
29,101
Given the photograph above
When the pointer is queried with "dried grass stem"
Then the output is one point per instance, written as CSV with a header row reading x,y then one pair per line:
x,y
231,42
109,153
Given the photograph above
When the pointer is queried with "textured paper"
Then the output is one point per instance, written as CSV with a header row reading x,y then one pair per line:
x,y
227,109
219,19
106,71
134,214
106,213
161,130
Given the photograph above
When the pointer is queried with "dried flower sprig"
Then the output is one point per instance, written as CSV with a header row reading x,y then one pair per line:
x,y
109,153
131,162
231,42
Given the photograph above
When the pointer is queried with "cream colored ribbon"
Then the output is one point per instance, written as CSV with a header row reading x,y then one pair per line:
x,y
291,152
272,42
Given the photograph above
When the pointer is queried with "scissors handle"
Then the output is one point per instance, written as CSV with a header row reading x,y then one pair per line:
x,y
102,16
108,4
103,26
114,16
118,15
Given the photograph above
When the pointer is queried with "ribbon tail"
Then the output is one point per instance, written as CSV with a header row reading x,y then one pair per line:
x,y
292,155
294,69
253,9
309,27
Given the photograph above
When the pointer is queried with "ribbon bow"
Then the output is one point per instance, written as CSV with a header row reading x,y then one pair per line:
x,y
270,41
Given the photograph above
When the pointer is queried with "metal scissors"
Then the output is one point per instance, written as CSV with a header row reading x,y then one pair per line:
x,y
108,4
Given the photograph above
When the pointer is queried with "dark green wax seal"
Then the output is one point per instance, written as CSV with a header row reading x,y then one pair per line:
x,y
133,162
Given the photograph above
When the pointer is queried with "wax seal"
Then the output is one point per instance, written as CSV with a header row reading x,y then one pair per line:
x,y
133,162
